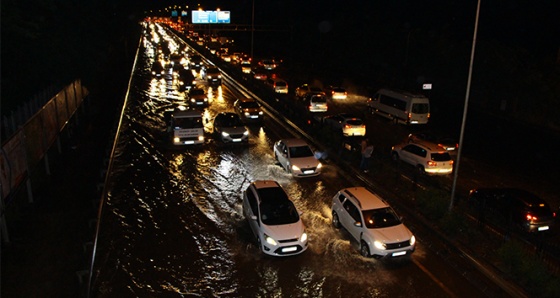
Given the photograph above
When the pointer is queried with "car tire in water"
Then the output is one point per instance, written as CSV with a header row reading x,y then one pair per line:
x,y
364,249
335,220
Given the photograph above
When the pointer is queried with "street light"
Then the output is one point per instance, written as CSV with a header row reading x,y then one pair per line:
x,y
456,174
252,28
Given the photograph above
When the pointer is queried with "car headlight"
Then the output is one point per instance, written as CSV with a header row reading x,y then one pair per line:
x,y
269,240
193,100
320,165
176,140
303,237
247,114
246,133
225,134
201,138
295,168
412,240
260,112
379,244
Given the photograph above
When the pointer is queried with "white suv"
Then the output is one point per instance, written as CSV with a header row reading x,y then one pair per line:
x,y
274,219
427,158
372,222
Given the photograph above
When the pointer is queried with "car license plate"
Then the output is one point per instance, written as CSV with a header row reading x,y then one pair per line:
x,y
236,140
309,172
399,253
189,142
254,117
543,228
289,249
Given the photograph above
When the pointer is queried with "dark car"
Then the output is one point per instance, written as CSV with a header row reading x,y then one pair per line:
x,y
514,207
186,79
157,69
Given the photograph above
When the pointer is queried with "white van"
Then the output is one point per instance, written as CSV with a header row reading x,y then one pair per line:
x,y
400,106
186,127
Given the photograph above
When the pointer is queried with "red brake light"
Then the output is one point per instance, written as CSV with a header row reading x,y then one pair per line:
x,y
530,217
432,163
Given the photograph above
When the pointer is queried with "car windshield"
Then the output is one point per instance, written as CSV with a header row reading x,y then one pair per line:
x,y
355,122
197,92
280,84
276,208
249,105
315,89
318,99
300,151
339,90
231,121
191,122
380,218
444,156
420,108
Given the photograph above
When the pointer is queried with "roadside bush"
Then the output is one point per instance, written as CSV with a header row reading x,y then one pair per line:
x,y
433,204
454,223
528,270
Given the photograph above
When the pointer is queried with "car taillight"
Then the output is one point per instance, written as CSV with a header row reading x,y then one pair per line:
x,y
530,217
347,126
432,163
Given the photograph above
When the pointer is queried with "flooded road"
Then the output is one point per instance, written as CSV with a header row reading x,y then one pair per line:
x,y
172,224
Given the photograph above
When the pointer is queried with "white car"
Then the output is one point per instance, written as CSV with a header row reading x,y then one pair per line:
x,y
427,158
229,128
348,124
372,222
274,219
297,158
317,103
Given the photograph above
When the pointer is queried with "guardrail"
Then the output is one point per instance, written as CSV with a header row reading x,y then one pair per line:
x,y
24,150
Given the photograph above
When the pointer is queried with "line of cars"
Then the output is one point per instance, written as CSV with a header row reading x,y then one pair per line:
x,y
279,230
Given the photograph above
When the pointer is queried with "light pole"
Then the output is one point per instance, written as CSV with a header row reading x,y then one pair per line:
x,y
252,28
456,174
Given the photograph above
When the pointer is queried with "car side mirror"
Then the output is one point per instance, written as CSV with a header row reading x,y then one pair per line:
x,y
253,217
358,224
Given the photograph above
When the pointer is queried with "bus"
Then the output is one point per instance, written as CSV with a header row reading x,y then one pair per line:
x,y
400,106
186,127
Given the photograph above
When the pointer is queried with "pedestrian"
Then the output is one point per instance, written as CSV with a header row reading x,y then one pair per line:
x,y
367,150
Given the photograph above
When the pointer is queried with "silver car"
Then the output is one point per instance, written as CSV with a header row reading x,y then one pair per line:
x,y
297,157
229,128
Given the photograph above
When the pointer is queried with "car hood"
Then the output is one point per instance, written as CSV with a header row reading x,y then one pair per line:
x,y
304,162
198,97
392,234
284,232
233,130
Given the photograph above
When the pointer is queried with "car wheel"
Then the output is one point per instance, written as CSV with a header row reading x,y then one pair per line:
x,y
335,220
259,244
364,249
395,120
395,157
421,169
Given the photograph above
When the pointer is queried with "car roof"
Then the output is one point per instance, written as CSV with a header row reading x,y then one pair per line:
x,y
365,198
429,146
258,184
246,99
524,195
294,142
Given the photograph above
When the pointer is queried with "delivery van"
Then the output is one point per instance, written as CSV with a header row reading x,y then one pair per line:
x,y
186,127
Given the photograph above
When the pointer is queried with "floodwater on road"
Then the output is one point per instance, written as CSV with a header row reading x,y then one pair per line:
x,y
172,224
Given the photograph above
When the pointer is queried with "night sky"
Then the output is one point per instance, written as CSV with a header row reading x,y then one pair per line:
x,y
394,42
